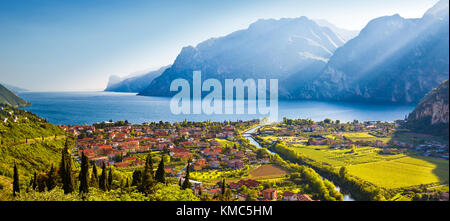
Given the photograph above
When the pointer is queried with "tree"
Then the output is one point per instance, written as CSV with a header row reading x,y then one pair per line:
x,y
160,173
34,183
16,186
110,179
186,183
41,182
224,191
342,172
66,170
102,180
147,177
137,178
94,177
84,174
51,182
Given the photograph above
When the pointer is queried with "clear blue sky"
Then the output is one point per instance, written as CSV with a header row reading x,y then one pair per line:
x,y
62,45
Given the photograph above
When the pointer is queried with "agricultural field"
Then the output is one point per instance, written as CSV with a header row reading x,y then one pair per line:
x,y
357,136
384,170
212,176
224,142
403,172
264,172
267,171
343,157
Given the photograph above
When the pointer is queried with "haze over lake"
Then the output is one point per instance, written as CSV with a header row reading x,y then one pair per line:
x,y
90,107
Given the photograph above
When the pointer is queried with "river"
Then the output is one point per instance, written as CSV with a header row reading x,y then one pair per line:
x,y
248,135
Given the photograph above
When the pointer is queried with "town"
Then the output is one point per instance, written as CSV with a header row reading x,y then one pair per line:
x,y
216,148
218,151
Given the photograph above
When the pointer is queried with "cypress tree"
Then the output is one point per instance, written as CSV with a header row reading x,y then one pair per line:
x,y
51,179
102,180
110,179
84,174
160,173
186,183
66,170
137,178
147,176
94,177
41,182
223,187
62,168
34,183
16,186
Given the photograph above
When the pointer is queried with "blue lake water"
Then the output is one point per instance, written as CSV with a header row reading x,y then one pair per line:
x,y
90,107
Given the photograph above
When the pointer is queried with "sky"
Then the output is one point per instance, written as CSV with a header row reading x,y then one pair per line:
x,y
53,45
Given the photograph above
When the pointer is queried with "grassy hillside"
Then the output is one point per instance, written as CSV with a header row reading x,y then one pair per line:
x,y
28,141
8,97
19,126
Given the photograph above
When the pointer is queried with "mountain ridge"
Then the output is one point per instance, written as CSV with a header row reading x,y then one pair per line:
x,y
10,98
135,82
295,44
392,60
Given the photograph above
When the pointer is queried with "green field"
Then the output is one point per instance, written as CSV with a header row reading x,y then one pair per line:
x,y
357,136
389,171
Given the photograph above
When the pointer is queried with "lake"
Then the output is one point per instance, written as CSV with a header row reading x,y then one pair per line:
x,y
90,107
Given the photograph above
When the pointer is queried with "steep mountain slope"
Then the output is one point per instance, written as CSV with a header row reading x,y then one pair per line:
x,y
431,115
8,97
134,83
393,59
14,88
267,49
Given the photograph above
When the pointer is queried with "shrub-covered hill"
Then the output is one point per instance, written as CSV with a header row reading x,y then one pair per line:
x,y
19,126
8,97
28,141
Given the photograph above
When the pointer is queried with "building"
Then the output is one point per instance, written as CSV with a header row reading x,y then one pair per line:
x,y
269,194
289,196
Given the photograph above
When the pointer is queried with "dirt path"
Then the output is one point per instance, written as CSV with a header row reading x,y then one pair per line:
x,y
32,141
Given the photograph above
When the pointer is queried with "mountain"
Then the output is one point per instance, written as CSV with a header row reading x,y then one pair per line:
x,y
113,79
431,115
393,59
10,98
134,83
266,49
344,34
14,88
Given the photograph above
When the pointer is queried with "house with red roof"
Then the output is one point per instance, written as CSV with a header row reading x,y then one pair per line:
x,y
269,194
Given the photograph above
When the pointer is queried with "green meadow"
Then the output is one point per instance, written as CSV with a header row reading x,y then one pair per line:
x,y
384,170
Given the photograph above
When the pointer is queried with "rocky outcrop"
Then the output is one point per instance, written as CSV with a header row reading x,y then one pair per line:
x,y
432,113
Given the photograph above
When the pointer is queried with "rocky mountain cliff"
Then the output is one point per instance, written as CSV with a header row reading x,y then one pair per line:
x,y
432,113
